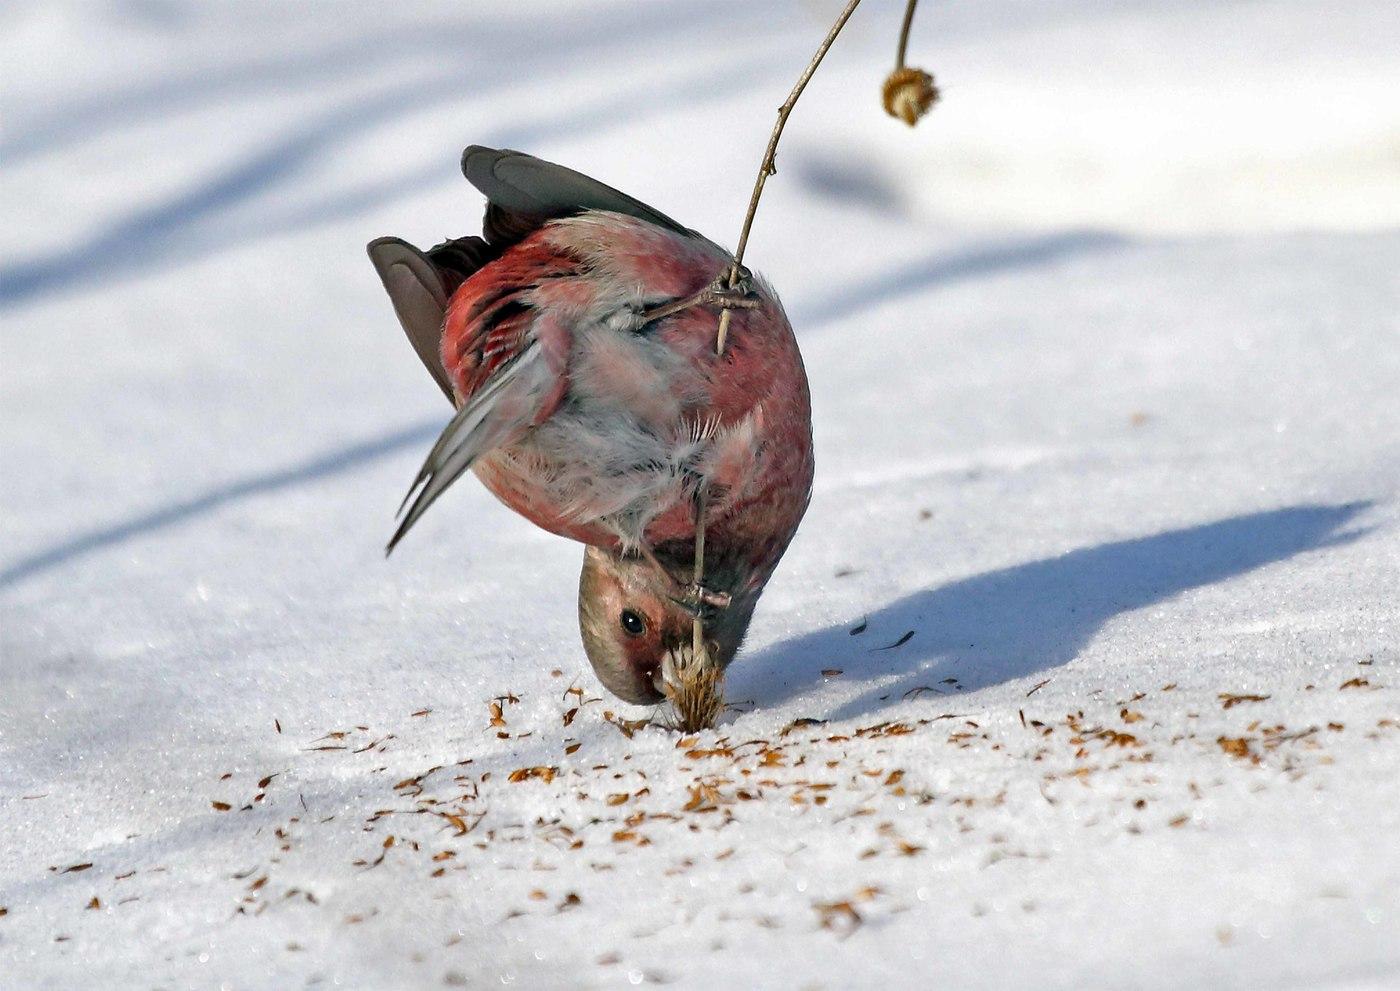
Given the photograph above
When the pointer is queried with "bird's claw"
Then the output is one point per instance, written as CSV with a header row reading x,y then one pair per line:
x,y
692,596
696,599
709,597
741,295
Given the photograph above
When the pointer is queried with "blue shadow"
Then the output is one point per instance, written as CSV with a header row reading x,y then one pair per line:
x,y
206,219
1019,621
947,268
324,466
477,48
219,211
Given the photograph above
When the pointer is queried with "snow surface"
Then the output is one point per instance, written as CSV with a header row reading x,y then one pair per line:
x,y
1105,360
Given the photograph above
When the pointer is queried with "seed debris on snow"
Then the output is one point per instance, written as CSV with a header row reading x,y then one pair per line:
x,y
851,776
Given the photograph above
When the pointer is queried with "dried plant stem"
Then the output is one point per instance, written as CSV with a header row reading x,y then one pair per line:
x,y
697,629
700,700
909,93
904,34
767,168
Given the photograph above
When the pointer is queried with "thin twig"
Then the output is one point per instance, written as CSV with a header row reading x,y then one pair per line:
x,y
697,628
767,168
909,93
904,34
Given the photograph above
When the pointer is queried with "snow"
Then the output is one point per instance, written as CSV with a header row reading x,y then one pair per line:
x,y
1104,360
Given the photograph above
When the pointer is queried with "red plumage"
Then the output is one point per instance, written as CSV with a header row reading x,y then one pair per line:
x,y
596,422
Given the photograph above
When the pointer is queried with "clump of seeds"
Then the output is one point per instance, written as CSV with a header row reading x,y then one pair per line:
x,y
694,686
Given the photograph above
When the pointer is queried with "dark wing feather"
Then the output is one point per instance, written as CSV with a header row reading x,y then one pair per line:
x,y
523,192
419,295
458,259
419,285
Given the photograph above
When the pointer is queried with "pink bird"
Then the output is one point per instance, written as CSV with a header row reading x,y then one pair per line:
x,y
576,338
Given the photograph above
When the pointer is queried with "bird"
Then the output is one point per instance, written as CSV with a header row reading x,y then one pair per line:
x,y
576,337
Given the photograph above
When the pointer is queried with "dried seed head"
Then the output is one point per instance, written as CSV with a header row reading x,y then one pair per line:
x,y
694,686
909,93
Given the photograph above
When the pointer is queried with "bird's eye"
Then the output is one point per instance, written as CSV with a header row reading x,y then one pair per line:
x,y
632,623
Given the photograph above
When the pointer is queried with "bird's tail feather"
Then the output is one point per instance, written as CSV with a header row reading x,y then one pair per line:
x,y
473,431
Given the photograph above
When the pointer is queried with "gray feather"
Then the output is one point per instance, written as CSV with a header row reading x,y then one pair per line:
x,y
472,432
530,191
523,193
419,297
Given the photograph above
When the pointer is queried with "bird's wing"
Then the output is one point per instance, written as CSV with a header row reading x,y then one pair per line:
x,y
508,361
419,285
523,192
419,297
487,347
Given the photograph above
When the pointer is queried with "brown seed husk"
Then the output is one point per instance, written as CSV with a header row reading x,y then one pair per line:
x,y
695,688
909,94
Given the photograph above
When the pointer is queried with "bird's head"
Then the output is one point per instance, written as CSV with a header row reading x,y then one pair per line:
x,y
631,618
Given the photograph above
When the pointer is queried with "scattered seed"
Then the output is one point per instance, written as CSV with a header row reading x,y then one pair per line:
x,y
1228,701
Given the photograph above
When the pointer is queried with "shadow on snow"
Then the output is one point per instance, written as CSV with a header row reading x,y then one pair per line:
x,y
1020,621
323,466
223,209
945,268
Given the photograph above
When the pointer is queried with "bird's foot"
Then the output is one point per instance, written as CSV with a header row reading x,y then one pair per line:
x,y
702,596
741,295
699,601
692,596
